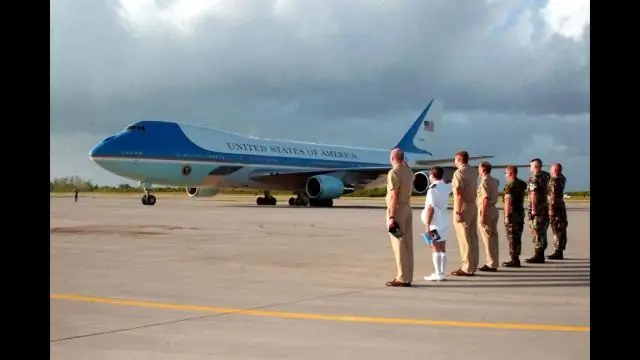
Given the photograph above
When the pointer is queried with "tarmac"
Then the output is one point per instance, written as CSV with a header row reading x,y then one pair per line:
x,y
221,278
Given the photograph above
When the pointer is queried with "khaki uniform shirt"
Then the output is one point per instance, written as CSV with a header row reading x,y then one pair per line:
x,y
400,178
465,180
488,187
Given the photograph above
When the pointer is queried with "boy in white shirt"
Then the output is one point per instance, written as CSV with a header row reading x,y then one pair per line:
x,y
435,216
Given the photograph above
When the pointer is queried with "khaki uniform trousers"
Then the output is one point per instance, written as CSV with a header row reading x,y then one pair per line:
x,y
467,234
403,247
489,233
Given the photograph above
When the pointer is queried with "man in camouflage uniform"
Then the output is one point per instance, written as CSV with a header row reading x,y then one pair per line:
x,y
557,211
538,210
514,193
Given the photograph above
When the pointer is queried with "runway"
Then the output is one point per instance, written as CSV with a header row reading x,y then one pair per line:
x,y
222,278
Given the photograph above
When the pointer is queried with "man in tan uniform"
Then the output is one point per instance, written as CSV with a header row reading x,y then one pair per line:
x,y
465,223
399,211
488,215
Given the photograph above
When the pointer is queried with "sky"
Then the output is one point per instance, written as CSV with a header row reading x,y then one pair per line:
x,y
513,75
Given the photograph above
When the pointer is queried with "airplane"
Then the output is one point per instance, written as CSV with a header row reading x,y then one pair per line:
x,y
205,160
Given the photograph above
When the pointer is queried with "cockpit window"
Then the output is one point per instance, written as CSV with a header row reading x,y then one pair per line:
x,y
135,128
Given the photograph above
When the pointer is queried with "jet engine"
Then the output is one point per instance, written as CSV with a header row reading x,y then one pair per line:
x,y
326,187
421,179
420,182
202,192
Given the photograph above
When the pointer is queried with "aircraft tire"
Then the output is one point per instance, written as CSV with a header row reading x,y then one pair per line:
x,y
151,200
260,200
144,200
292,201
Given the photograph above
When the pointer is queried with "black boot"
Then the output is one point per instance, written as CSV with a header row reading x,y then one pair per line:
x,y
537,258
557,255
514,262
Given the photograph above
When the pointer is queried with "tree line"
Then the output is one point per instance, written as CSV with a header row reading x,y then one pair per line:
x,y
68,184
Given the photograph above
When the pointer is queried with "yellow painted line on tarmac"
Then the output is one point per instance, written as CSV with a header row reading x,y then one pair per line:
x,y
310,316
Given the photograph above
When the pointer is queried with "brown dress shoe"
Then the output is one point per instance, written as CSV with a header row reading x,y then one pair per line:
x,y
487,268
461,272
396,283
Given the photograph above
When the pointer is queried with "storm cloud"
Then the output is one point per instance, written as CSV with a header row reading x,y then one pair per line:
x,y
514,75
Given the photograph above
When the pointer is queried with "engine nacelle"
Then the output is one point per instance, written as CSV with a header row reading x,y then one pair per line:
x,y
325,187
202,192
421,179
420,182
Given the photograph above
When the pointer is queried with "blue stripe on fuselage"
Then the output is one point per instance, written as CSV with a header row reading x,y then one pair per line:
x,y
250,160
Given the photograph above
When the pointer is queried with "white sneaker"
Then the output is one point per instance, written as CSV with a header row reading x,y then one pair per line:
x,y
435,277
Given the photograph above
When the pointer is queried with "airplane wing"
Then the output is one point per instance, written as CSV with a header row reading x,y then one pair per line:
x,y
359,177
504,166
356,177
441,161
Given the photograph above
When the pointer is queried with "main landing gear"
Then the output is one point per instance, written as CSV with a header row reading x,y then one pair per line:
x,y
147,197
304,200
267,199
301,199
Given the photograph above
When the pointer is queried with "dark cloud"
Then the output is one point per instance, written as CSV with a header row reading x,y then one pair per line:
x,y
297,69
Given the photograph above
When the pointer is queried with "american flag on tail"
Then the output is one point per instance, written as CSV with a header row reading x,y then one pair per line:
x,y
428,125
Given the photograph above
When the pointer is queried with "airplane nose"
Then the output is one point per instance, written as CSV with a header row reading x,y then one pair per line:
x,y
99,149
95,151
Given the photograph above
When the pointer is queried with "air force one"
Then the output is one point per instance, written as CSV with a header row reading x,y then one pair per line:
x,y
205,160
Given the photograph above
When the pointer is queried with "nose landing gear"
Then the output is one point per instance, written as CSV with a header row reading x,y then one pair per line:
x,y
147,198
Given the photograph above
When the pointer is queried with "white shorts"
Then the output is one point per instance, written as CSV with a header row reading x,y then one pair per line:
x,y
442,230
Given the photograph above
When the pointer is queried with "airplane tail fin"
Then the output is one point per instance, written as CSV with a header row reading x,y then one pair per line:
x,y
415,140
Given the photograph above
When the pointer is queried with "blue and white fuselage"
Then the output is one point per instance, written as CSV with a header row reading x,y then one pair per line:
x,y
157,151
204,160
